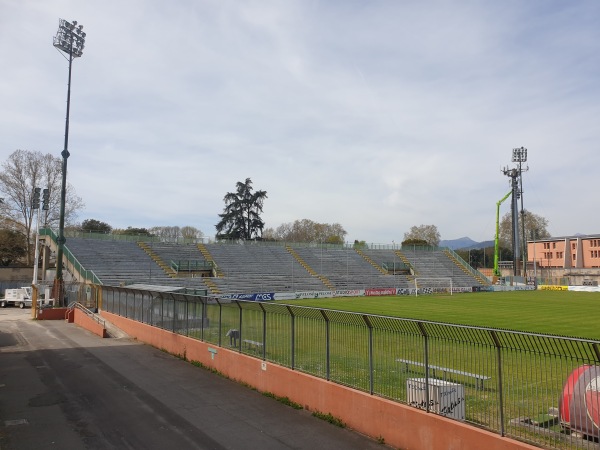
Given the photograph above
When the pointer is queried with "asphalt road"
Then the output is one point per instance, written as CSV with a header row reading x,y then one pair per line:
x,y
65,388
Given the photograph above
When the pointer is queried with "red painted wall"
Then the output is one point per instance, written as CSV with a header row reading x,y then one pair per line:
x,y
400,425
52,314
84,321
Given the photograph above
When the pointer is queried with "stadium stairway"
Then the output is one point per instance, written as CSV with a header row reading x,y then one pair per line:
x,y
217,272
405,260
480,278
212,287
370,261
309,269
158,260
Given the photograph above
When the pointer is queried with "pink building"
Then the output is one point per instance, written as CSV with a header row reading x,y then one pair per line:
x,y
570,252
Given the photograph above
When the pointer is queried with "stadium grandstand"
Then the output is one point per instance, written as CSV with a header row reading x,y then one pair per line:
x,y
222,268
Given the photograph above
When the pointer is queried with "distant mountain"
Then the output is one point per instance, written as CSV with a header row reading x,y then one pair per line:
x,y
465,243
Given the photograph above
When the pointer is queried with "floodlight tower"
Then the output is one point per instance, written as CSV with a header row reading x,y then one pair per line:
x,y
520,156
513,174
70,39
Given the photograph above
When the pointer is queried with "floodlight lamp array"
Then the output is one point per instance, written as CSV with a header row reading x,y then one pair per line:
x,y
70,38
519,154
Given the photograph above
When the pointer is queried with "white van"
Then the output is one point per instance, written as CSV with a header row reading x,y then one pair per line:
x,y
21,297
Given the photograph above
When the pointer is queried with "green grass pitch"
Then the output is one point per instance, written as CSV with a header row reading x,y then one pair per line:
x,y
564,313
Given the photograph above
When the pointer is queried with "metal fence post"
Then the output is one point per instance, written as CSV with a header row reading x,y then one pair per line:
x,y
371,375
327,370
264,347
426,354
240,343
174,310
204,312
220,321
500,392
293,340
596,352
162,312
187,318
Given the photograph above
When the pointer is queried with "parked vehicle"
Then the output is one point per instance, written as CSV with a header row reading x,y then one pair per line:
x,y
21,297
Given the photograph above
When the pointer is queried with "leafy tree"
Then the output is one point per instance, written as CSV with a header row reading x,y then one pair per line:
x,y
535,228
360,244
241,216
306,230
95,226
427,233
21,173
415,242
13,246
133,232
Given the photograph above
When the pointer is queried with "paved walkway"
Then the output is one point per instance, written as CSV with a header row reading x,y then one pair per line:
x,y
62,387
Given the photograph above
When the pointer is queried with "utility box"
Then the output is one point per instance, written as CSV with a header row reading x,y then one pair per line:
x,y
445,398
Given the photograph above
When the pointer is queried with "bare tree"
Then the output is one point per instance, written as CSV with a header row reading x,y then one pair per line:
x,y
174,233
427,233
21,173
166,233
306,230
191,233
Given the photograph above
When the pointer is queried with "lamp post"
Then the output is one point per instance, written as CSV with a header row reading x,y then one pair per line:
x,y
533,237
520,156
513,174
70,39
36,205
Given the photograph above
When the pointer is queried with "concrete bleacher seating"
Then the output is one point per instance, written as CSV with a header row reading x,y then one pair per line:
x,y
177,253
259,268
437,264
117,262
264,267
346,269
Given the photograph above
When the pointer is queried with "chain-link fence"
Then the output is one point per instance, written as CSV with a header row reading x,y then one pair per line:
x,y
537,388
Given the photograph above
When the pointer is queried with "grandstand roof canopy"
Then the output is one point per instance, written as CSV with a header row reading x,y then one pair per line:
x,y
153,287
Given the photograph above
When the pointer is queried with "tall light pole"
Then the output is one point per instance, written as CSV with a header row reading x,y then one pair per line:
x,y
520,156
513,174
70,39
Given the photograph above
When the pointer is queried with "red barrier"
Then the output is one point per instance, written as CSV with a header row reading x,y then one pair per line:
x,y
52,314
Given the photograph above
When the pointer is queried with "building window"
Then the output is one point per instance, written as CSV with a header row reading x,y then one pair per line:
x,y
554,245
573,246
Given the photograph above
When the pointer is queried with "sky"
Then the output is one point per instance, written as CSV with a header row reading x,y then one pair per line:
x,y
377,115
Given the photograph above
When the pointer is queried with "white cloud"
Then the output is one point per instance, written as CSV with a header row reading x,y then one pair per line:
x,y
379,116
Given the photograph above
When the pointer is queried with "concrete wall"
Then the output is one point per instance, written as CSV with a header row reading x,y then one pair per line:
x,y
16,274
401,426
